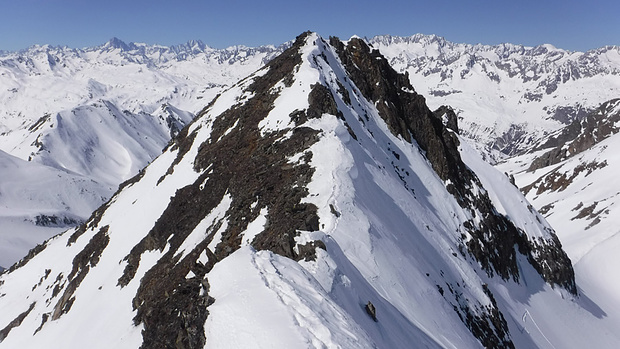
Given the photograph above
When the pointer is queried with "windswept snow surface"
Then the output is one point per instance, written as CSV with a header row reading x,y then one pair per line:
x,y
380,225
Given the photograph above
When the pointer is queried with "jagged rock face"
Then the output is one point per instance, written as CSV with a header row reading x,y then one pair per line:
x,y
579,136
326,169
403,110
251,169
407,115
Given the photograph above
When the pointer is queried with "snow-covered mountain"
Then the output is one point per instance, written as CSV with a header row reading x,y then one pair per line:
x,y
316,203
560,108
103,113
114,81
506,96
572,180
40,200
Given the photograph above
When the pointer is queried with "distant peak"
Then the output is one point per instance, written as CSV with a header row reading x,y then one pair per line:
x,y
196,43
115,43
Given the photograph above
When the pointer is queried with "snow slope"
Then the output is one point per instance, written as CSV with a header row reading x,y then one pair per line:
x,y
283,211
506,96
152,88
36,201
580,198
105,112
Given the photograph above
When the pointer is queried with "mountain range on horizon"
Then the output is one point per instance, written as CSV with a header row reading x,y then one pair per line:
x,y
342,183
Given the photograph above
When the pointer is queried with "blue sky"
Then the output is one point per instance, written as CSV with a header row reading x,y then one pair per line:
x,y
569,24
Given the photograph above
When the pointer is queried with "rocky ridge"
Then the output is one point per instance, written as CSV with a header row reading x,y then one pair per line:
x,y
101,113
253,176
579,136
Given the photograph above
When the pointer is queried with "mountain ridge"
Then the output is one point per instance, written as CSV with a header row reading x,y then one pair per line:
x,y
506,96
352,213
102,113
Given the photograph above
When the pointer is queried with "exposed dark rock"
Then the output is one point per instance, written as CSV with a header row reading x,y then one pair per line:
x,y
16,322
594,222
91,223
451,118
493,240
83,261
344,93
55,221
407,115
333,210
132,180
486,323
586,212
489,327
442,93
33,252
321,101
172,303
511,141
44,318
551,263
557,180
579,136
545,209
569,114
253,170
307,252
371,310
37,125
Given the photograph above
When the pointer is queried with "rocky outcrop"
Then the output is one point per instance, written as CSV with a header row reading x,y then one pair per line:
x,y
404,111
83,261
407,115
493,239
579,136
253,170
16,322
